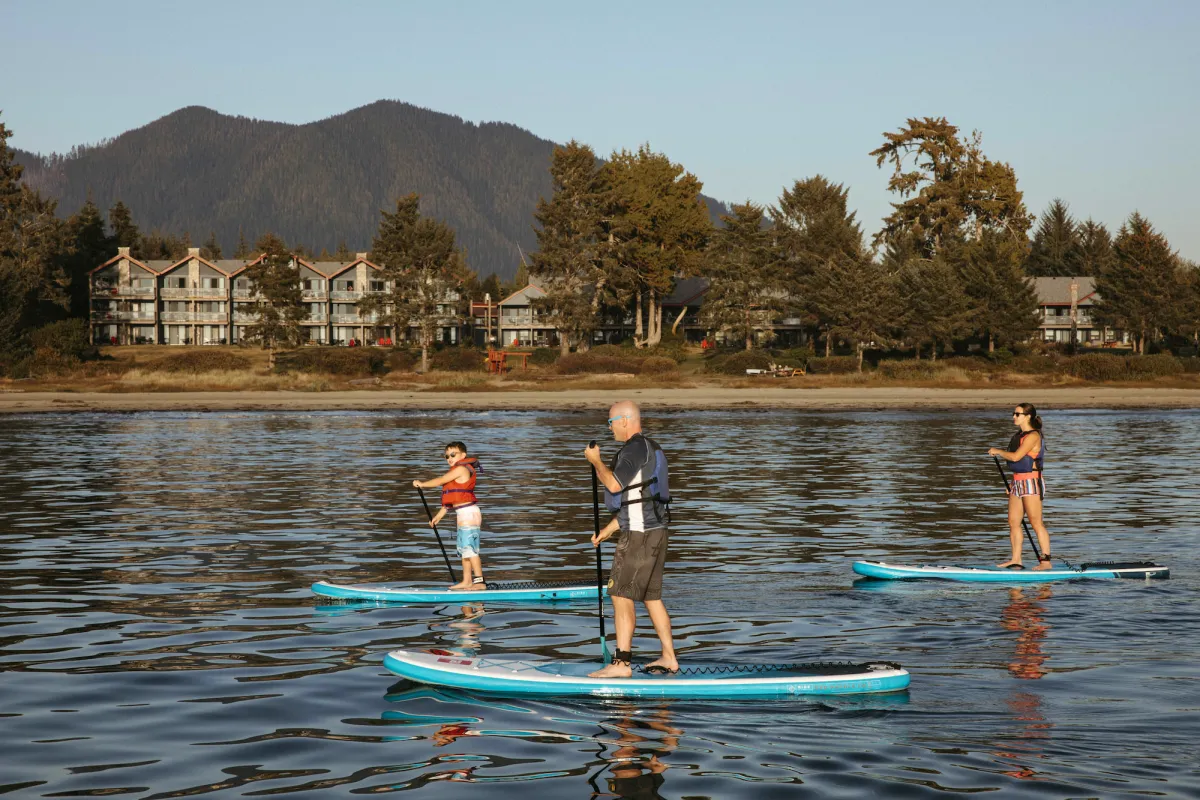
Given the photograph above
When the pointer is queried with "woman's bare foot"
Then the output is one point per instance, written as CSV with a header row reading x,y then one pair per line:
x,y
1044,564
1011,564
458,587
617,669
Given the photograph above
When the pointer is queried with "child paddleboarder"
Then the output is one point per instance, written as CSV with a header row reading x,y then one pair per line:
x,y
458,493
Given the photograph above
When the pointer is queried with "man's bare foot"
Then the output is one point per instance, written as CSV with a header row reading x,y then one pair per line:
x,y
1011,565
617,669
663,664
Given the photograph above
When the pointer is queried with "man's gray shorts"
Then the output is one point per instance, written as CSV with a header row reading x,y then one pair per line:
x,y
637,568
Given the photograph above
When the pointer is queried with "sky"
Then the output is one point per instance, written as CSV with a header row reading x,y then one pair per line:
x,y
1095,102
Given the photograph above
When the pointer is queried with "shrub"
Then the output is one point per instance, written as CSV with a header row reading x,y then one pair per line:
x,y
544,356
458,359
589,363
613,350
399,360
738,363
1098,367
1034,365
355,361
656,365
1153,366
909,370
1190,364
200,361
834,365
67,339
968,363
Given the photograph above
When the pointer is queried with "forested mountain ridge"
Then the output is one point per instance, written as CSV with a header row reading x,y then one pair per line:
x,y
316,184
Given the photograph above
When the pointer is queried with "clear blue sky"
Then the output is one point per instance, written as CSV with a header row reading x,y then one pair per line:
x,y
1095,102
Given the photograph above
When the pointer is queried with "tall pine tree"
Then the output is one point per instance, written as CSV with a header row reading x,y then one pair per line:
x,y
744,296
277,306
1001,299
1143,290
1056,247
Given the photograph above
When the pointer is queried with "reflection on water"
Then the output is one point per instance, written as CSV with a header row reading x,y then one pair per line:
x,y
157,637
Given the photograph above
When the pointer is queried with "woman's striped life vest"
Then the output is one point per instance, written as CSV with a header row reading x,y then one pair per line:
x,y
461,493
1029,464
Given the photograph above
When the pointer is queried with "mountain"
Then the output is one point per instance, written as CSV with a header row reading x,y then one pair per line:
x,y
316,184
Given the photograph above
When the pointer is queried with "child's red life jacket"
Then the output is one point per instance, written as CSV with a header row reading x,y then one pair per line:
x,y
461,493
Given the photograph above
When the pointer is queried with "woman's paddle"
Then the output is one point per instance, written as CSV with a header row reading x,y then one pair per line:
x,y
1024,524
599,570
429,514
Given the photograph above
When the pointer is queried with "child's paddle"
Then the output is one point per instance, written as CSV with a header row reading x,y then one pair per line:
x,y
429,514
599,570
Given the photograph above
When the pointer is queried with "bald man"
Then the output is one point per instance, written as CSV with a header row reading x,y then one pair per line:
x,y
635,488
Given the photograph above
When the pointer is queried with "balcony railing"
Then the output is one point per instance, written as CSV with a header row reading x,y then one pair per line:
x,y
244,294
123,291
174,291
244,318
340,294
314,294
210,291
211,316
316,318
122,316
175,316
345,319
195,291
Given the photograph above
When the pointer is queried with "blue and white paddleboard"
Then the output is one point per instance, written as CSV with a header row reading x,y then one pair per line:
x,y
1097,570
513,676
532,591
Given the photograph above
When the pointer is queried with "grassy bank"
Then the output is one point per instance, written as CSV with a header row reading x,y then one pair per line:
x,y
235,369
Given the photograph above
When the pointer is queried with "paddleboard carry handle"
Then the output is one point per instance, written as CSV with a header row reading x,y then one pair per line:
x,y
429,514
599,570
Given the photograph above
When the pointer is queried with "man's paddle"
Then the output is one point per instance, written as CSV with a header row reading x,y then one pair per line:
x,y
599,570
429,514
1024,524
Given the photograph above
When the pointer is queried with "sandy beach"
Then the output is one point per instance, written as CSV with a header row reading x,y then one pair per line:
x,y
16,402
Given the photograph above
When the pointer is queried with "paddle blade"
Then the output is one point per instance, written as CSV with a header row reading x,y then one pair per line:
x,y
604,654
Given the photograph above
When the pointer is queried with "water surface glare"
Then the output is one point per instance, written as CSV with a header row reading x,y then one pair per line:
x,y
158,637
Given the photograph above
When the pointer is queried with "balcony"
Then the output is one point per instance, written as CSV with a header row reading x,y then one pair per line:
x,y
122,316
175,316
315,319
340,294
210,316
174,291
345,319
210,291
245,294
245,318
310,295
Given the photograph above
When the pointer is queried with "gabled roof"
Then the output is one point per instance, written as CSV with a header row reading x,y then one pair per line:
x,y
1057,291
189,257
687,291
530,292
244,263
338,267
144,265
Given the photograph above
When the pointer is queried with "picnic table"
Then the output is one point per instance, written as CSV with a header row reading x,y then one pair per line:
x,y
497,361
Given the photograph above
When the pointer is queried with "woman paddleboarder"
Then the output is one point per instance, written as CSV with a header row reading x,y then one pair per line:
x,y
1025,456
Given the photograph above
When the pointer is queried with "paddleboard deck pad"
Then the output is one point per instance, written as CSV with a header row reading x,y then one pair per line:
x,y
514,676
1096,570
533,591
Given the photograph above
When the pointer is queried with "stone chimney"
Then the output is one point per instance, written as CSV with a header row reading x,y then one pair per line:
x,y
193,252
123,252
363,256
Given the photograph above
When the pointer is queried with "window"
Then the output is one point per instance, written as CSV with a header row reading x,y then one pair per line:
x,y
376,286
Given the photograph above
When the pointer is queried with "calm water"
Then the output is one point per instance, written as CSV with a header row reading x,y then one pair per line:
x,y
158,639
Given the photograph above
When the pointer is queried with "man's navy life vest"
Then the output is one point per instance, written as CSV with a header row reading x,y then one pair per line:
x,y
656,489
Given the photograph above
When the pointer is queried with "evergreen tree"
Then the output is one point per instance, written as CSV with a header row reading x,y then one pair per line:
x,y
1056,247
124,232
950,191
277,306
92,246
243,247
1003,305
271,244
32,242
491,288
814,229
654,229
1095,248
567,263
859,299
343,253
744,295
211,249
1143,290
424,274
932,306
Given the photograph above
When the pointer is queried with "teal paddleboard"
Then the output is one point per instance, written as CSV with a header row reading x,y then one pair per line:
x,y
530,591
514,676
1103,570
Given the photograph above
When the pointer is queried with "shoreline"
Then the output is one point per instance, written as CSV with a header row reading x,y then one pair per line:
x,y
840,398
